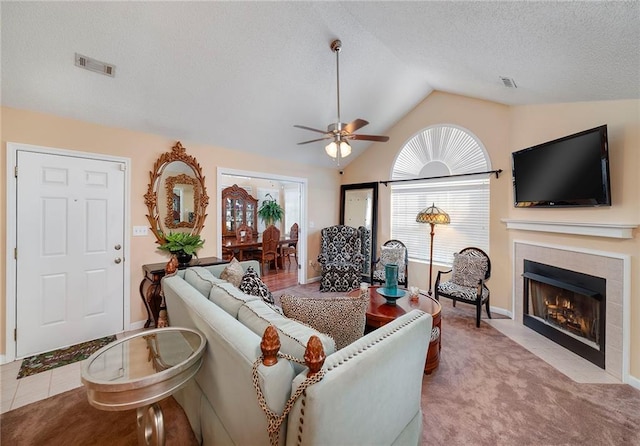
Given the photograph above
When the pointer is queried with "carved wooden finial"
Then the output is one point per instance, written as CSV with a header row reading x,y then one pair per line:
x,y
270,346
314,355
172,266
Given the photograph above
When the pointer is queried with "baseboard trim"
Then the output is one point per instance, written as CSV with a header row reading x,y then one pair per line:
x,y
137,325
633,381
501,311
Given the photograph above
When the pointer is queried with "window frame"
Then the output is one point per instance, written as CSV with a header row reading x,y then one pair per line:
x,y
469,219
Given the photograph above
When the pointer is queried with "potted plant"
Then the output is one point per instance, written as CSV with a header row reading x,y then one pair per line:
x,y
270,211
182,244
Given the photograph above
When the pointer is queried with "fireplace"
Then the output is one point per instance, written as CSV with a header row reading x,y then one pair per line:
x,y
567,307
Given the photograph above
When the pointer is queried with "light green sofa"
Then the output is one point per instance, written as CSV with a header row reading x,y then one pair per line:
x,y
370,393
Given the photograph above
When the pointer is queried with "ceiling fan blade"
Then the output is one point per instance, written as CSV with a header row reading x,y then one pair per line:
x,y
309,128
314,140
369,137
355,125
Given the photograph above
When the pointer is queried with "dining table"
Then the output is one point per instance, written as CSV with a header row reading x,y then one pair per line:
x,y
238,247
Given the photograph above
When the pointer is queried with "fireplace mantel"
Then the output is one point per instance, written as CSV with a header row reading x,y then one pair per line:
x,y
611,230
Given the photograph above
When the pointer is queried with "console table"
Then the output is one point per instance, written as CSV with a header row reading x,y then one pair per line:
x,y
150,290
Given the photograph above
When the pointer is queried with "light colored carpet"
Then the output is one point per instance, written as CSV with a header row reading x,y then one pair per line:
x,y
487,391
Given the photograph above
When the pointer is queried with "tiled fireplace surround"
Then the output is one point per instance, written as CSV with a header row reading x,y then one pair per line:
x,y
600,264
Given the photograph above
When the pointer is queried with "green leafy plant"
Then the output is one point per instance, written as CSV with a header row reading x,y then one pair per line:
x,y
175,242
270,211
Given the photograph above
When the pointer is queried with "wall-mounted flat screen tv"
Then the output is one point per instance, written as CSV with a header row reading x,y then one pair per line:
x,y
570,171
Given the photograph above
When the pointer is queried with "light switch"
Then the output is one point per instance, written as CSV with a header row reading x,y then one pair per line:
x,y
140,231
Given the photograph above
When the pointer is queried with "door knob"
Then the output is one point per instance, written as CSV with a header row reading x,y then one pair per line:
x,y
118,260
117,247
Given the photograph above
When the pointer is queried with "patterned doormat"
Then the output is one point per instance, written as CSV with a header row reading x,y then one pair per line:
x,y
62,356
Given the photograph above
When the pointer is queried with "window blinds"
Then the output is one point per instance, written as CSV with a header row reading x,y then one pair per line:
x,y
466,202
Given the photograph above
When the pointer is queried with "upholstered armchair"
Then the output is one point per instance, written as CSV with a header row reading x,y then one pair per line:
x,y
393,251
340,258
365,240
471,269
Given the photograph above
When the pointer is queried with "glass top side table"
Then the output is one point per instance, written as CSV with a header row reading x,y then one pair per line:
x,y
138,371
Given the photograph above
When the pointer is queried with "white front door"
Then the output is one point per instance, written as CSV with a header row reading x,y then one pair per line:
x,y
70,253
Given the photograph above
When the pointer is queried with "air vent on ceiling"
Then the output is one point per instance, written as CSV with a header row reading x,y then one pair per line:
x,y
95,65
508,82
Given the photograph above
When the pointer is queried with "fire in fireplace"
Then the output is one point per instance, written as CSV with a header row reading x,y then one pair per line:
x,y
567,307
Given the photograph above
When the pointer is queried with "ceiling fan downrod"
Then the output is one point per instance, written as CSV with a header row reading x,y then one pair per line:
x,y
336,46
339,132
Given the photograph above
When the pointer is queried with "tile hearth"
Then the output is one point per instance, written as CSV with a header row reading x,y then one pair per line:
x,y
573,366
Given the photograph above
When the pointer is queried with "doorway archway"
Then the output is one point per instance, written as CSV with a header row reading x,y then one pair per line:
x,y
293,191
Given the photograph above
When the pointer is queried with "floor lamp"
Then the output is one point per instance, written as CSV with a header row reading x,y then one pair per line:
x,y
434,216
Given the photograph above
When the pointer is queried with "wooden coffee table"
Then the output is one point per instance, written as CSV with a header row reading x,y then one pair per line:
x,y
379,313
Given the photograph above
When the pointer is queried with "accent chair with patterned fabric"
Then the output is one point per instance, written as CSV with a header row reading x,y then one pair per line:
x,y
393,251
365,242
340,258
471,269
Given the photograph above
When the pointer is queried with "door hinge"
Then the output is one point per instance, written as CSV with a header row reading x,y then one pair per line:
x,y
15,171
15,253
123,167
15,334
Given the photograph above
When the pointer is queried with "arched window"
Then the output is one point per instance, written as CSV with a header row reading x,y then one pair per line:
x,y
440,151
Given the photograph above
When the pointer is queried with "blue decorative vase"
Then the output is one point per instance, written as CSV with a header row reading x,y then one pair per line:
x,y
391,277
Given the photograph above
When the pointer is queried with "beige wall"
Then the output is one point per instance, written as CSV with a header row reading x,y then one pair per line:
x,y
490,123
502,130
535,124
143,150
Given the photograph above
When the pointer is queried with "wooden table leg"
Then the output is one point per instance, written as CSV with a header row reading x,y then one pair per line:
x,y
146,303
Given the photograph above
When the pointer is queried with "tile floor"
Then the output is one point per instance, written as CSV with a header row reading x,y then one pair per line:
x,y
19,392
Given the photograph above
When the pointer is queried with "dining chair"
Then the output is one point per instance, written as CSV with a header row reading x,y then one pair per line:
x,y
292,248
244,233
269,250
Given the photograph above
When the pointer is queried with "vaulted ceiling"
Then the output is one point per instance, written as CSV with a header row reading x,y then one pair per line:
x,y
241,74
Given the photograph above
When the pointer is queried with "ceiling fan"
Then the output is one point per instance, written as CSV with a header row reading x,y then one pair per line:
x,y
339,132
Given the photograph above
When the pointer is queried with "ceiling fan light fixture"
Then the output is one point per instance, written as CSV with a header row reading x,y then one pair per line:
x,y
333,146
332,149
339,132
345,149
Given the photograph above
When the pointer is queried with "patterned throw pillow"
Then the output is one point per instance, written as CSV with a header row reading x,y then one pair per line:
x,y
233,273
341,317
468,270
252,285
394,255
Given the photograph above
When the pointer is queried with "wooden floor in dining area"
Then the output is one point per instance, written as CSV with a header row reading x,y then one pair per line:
x,y
283,278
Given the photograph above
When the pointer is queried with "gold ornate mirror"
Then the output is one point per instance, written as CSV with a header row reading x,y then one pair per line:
x,y
176,198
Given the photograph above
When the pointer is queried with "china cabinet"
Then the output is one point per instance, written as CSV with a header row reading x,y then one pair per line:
x,y
238,207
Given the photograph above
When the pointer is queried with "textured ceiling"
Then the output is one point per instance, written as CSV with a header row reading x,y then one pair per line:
x,y
240,74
